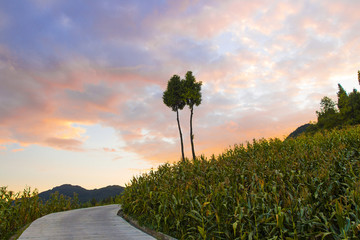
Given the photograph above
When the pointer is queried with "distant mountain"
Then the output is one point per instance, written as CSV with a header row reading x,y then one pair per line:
x,y
83,194
299,131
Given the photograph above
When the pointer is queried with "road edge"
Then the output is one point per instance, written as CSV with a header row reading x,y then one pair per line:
x,y
133,222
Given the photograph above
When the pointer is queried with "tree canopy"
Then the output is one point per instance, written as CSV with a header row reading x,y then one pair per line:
x,y
173,95
192,93
328,115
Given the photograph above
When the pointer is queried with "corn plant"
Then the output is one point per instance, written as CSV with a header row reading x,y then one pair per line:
x,y
304,188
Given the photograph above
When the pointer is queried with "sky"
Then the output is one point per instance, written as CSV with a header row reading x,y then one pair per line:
x,y
81,82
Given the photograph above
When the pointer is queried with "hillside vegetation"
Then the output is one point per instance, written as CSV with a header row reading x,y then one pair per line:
x,y
303,188
337,114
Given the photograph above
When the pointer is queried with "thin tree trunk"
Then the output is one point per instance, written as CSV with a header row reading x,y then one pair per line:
x,y
191,134
181,138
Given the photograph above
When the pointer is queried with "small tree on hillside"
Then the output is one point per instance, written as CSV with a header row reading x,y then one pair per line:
x,y
173,98
343,103
192,96
354,104
328,115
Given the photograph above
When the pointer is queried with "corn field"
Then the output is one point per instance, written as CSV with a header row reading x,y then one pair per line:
x,y
19,209
303,188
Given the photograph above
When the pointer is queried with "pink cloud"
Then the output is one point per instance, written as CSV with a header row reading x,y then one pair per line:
x,y
67,144
18,150
109,149
210,18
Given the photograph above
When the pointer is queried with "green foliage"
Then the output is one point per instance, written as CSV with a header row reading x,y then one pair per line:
x,y
19,209
111,200
173,95
349,107
351,115
58,203
192,90
328,115
181,92
346,113
343,100
303,188
327,105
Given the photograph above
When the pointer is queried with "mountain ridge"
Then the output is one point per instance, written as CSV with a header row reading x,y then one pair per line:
x,y
84,195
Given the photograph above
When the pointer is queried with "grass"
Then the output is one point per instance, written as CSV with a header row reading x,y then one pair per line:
x,y
304,188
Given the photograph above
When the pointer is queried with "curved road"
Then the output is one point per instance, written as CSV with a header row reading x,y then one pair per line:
x,y
87,223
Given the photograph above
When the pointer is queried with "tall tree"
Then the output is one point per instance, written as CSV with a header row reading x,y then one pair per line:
x,y
192,96
354,106
173,98
343,103
359,77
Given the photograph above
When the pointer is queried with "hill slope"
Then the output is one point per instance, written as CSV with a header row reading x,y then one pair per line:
x,y
299,131
84,194
303,188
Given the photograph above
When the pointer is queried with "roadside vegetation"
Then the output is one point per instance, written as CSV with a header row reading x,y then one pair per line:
x,y
20,209
303,188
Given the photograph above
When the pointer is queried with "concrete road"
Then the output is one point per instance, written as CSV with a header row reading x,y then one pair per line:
x,y
88,223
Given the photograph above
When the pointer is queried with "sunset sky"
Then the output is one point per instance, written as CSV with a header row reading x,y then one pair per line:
x,y
81,82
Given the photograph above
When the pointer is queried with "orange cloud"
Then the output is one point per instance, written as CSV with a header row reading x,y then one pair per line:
x,y
67,144
109,149
18,150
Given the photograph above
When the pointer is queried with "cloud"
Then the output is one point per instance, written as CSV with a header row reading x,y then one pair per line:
x,y
18,150
264,69
109,149
61,143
